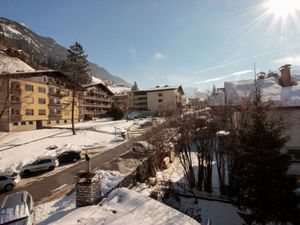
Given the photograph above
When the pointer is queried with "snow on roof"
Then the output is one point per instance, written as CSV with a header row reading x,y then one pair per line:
x,y
96,80
12,64
239,91
124,206
118,89
165,87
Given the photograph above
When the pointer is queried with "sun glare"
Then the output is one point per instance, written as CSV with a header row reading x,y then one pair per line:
x,y
283,8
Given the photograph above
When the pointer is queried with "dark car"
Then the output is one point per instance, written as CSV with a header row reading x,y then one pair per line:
x,y
68,157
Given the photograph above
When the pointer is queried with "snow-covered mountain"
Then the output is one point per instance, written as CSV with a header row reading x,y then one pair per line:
x,y
42,51
12,64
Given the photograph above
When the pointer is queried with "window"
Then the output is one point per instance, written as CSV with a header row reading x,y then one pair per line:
x,y
57,121
15,85
28,87
29,112
160,94
160,100
29,100
15,124
41,90
66,113
48,122
15,112
30,123
23,123
42,112
65,121
42,101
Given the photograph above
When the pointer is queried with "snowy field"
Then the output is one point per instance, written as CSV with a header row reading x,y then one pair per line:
x,y
19,148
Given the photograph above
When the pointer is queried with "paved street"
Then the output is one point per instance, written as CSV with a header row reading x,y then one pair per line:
x,y
44,188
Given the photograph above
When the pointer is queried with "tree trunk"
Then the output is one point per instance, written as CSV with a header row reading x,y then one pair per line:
x,y
73,108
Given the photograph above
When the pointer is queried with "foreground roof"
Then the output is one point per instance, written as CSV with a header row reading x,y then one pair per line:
x,y
124,206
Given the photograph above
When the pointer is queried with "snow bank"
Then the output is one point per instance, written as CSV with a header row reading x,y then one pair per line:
x,y
124,206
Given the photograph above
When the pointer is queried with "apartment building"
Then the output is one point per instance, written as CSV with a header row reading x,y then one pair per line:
x,y
98,99
161,99
32,100
121,101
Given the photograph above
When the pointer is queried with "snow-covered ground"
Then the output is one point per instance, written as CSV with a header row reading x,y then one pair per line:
x,y
18,148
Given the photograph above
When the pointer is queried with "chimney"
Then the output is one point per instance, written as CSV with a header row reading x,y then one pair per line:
x,y
285,75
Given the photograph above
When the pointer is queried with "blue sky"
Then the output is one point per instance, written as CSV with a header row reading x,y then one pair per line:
x,y
192,42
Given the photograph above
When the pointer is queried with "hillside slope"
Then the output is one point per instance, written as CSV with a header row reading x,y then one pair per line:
x,y
42,51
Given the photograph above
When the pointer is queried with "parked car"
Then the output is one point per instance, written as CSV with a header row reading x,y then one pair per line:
x,y
68,157
17,208
40,164
8,181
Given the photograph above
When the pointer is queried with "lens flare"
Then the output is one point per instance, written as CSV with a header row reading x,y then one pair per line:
x,y
282,8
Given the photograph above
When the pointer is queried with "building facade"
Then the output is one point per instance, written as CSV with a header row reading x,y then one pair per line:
x,y
121,101
33,100
97,100
161,99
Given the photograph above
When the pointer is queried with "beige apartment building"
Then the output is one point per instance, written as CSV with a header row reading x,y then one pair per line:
x,y
32,100
161,99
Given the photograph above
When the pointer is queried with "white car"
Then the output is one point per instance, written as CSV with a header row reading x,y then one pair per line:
x,y
40,164
8,181
17,208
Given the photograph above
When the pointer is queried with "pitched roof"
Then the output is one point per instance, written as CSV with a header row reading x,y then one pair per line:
x,y
163,88
101,86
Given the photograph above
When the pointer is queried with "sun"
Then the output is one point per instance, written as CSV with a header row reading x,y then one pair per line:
x,y
282,8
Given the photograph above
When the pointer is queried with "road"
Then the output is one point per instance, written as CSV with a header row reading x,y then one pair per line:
x,y
45,188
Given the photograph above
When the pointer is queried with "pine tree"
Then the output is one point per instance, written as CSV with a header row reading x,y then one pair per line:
x,y
76,67
214,90
134,87
264,191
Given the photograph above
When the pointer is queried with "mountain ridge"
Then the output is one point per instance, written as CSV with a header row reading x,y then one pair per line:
x,y
43,52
